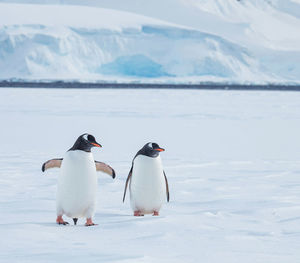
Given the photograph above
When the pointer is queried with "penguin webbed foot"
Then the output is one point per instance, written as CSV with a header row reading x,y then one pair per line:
x,y
92,224
63,223
60,221
138,213
89,222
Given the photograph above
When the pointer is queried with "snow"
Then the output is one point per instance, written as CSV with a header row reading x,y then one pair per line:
x,y
238,21
151,41
232,161
18,14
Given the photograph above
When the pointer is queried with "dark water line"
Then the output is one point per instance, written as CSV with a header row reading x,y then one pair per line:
x,y
210,86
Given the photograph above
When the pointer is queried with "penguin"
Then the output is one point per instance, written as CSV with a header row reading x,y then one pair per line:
x,y
77,181
148,184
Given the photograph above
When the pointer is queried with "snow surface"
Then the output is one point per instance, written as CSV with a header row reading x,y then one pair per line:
x,y
151,41
232,160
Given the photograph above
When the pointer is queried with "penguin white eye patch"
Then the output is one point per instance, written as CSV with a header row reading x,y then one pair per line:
x,y
85,137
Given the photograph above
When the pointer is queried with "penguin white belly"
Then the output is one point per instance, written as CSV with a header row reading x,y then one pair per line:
x,y
147,185
77,185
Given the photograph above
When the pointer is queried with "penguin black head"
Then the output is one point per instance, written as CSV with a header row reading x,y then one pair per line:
x,y
151,149
85,142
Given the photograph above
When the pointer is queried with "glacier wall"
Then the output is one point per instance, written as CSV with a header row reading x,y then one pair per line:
x,y
120,46
147,52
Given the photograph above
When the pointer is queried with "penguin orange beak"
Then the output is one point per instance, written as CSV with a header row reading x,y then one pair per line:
x,y
160,149
96,144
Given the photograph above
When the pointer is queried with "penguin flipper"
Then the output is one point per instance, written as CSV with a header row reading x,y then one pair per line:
x,y
105,168
167,187
127,181
52,163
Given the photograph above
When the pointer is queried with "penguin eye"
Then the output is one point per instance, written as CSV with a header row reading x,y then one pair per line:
x,y
155,145
91,138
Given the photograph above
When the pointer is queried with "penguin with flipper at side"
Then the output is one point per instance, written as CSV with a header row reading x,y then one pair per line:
x,y
148,184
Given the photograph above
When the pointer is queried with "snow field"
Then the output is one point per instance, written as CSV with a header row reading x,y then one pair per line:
x,y
231,159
